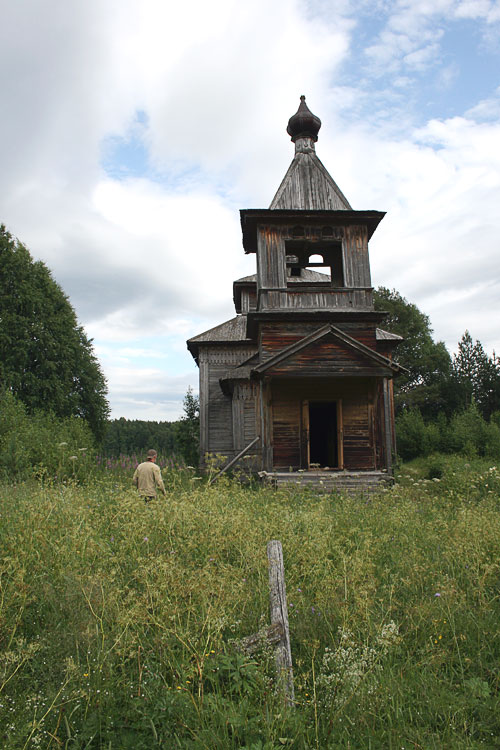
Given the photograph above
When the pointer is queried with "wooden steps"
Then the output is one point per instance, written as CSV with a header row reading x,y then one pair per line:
x,y
353,482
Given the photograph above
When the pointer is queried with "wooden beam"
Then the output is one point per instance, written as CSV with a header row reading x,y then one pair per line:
x,y
279,616
234,460
387,426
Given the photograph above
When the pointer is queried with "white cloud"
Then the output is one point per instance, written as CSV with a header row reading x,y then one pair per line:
x,y
438,244
486,109
156,255
411,38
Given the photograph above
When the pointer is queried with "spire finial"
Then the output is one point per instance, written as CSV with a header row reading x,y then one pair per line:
x,y
303,124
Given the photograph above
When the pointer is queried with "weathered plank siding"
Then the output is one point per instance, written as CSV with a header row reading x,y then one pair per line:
x,y
224,421
356,262
358,447
271,265
323,357
274,337
321,299
286,429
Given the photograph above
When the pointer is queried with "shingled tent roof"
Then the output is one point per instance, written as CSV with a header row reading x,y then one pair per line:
x,y
234,330
307,185
306,275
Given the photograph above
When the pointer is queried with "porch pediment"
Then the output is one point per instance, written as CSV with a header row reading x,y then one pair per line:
x,y
327,352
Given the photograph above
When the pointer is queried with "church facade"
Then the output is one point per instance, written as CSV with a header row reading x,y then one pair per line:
x,y
303,372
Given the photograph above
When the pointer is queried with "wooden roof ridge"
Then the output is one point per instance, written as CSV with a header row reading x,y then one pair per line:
x,y
327,330
308,186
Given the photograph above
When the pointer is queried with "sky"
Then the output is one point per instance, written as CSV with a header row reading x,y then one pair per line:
x,y
133,131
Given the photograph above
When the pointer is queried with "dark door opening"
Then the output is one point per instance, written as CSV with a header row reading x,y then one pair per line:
x,y
323,434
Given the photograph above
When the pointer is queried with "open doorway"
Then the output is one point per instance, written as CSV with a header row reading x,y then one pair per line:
x,y
324,432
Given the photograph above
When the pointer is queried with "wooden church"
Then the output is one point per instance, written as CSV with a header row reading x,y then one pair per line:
x,y
301,378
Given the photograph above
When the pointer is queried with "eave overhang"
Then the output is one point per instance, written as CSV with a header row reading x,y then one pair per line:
x,y
252,218
348,315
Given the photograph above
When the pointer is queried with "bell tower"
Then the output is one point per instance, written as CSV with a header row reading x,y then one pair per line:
x,y
310,225
303,370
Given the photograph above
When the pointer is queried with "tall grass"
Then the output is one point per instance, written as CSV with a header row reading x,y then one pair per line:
x,y
119,620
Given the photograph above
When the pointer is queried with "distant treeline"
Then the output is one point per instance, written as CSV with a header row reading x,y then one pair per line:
x,y
126,436
180,438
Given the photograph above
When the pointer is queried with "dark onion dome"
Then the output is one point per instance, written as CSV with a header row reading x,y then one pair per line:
x,y
303,124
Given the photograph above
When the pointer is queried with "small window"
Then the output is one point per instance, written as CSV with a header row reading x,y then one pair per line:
x,y
316,260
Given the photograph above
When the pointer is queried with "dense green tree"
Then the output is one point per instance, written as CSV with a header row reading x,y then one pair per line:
x,y
46,360
428,385
477,376
188,434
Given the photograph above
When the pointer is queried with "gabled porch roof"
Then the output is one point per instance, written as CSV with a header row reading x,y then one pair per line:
x,y
380,364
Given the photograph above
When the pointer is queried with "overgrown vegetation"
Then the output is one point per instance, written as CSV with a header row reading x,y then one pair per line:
x,y
443,404
43,445
118,621
466,433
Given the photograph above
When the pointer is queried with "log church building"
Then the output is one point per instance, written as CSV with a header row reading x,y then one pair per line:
x,y
301,378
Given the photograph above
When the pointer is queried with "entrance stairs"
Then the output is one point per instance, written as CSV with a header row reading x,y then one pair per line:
x,y
352,482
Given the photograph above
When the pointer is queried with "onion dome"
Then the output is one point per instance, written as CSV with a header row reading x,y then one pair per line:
x,y
303,124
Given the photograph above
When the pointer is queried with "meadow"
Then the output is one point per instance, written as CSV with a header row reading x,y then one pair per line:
x,y
120,621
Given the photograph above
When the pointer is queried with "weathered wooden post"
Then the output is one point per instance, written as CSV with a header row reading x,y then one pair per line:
x,y
279,617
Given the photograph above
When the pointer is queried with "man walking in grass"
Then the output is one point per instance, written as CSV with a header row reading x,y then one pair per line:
x,y
147,477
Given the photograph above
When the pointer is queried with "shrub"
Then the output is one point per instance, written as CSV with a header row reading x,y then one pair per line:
x,y
42,444
471,435
412,435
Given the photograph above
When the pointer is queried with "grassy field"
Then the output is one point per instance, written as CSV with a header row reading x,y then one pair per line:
x,y
119,621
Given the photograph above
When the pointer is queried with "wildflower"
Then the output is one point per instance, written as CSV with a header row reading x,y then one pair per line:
x,y
146,539
437,593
